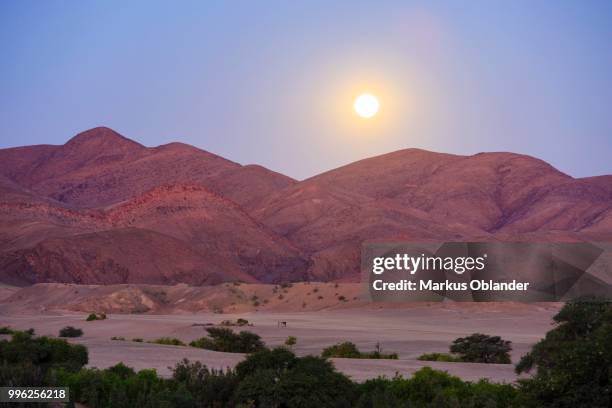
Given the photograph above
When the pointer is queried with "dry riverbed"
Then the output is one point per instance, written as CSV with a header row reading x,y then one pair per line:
x,y
408,331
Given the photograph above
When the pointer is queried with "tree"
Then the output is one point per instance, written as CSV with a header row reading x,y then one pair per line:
x,y
481,348
277,378
122,387
26,360
574,361
209,387
278,360
291,341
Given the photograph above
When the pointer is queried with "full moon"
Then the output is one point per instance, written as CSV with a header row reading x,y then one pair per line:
x,y
366,105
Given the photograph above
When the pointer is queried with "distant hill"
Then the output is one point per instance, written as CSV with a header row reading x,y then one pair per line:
x,y
104,209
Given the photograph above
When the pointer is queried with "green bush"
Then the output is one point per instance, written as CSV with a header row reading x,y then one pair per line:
x,y
269,378
6,330
137,340
121,387
573,363
239,322
70,331
350,350
443,357
94,316
432,388
342,350
118,338
277,378
169,341
222,339
481,348
209,388
291,341
27,361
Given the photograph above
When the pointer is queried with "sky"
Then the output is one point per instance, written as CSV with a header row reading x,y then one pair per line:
x,y
273,82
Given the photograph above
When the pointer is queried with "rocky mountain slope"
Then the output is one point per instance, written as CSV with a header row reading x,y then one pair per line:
x,y
103,209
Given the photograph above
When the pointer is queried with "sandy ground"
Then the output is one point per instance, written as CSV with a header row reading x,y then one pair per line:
x,y
409,331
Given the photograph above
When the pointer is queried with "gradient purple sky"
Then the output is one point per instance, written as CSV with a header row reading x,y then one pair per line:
x,y
272,82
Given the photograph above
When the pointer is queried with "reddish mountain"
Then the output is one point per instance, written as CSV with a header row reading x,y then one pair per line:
x,y
100,167
138,241
122,255
105,209
215,225
418,195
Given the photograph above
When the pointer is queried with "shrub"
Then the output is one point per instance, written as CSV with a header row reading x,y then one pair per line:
x,y
94,316
342,350
70,331
204,343
443,357
573,361
169,341
481,348
118,338
137,340
6,330
239,322
222,339
350,350
290,341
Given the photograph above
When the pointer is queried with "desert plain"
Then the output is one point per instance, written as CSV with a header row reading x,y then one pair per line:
x,y
408,329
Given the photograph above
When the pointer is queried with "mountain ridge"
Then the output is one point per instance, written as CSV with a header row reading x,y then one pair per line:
x,y
223,221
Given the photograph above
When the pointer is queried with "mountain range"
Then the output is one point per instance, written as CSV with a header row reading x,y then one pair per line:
x,y
103,209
